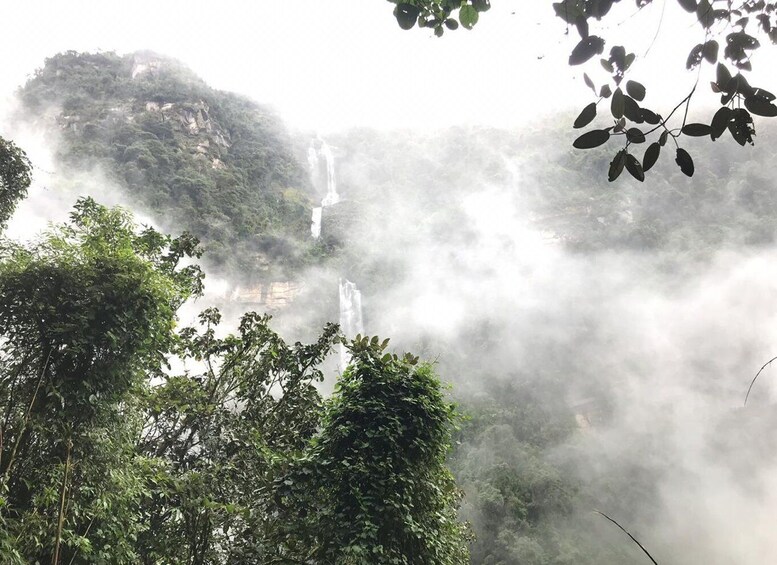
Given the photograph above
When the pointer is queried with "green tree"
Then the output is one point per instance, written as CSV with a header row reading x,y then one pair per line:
x,y
85,315
373,487
15,178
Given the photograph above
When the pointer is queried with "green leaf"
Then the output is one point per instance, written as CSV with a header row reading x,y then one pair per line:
x,y
591,139
406,15
685,162
696,130
617,105
635,90
585,49
651,156
468,16
586,116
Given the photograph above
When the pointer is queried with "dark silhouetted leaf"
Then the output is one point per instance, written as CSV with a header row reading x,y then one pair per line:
x,y
589,83
710,51
632,110
581,23
586,116
650,117
616,165
451,24
605,92
741,126
722,76
635,90
406,15
696,130
587,48
651,156
482,5
635,135
705,14
684,160
593,138
694,57
617,105
663,137
568,11
688,5
634,167
760,106
720,122
607,66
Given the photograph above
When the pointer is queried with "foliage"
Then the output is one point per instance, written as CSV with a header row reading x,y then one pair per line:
x,y
719,23
373,484
215,163
110,455
15,178
84,314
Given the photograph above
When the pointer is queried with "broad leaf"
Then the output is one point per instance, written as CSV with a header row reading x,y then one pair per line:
x,y
685,162
591,139
468,16
635,90
587,48
760,106
406,15
696,130
720,122
616,165
651,156
586,116
617,106
635,167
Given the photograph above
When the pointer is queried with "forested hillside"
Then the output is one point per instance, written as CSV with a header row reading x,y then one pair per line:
x,y
211,162
504,255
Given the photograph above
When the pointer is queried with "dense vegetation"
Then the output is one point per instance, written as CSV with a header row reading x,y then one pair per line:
x,y
214,163
110,455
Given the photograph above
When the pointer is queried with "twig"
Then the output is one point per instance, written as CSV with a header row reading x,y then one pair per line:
x,y
62,498
645,551
769,362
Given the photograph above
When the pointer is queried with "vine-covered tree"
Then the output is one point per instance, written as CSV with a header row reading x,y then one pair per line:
x,y
730,34
15,178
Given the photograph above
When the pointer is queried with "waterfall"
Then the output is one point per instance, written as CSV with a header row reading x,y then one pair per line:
x,y
351,323
315,222
331,197
331,183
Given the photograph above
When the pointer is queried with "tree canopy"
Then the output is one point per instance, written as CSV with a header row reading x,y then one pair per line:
x,y
730,32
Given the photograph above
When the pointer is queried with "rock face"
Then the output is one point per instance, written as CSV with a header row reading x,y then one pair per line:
x,y
268,296
193,158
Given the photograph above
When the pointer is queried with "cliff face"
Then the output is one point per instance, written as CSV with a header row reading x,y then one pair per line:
x,y
198,159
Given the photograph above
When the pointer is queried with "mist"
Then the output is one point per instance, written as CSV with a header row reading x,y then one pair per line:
x,y
648,348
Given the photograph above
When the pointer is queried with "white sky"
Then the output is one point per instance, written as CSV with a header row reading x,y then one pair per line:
x,y
328,64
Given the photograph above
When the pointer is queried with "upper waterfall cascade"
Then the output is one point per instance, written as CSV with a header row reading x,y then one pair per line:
x,y
319,149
